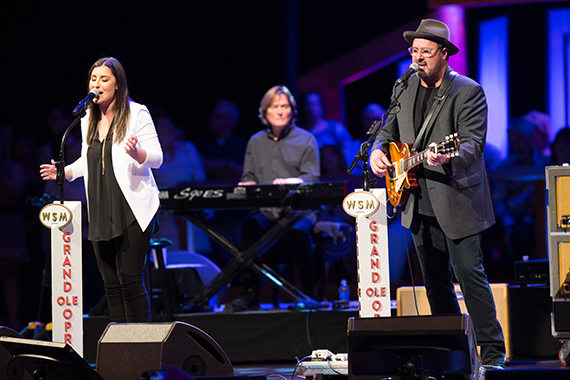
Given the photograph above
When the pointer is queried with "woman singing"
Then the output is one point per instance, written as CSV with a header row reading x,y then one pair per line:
x,y
120,146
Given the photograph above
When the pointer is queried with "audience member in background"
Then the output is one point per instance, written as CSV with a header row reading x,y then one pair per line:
x,y
25,150
280,154
13,247
492,156
372,113
181,165
222,151
513,197
527,143
327,132
333,165
528,138
59,120
560,148
541,137
368,116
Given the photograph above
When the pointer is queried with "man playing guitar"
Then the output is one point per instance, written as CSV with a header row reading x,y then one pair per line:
x,y
451,205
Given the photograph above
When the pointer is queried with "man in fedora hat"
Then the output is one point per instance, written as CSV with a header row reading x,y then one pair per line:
x,y
451,205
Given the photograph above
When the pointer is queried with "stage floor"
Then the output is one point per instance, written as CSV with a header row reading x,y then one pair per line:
x,y
515,370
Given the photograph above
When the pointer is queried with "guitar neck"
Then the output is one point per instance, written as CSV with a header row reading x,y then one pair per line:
x,y
415,160
448,146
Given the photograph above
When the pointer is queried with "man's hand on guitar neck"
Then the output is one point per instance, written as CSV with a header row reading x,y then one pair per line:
x,y
379,162
436,159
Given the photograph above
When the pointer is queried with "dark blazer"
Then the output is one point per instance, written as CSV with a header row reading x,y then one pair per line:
x,y
459,192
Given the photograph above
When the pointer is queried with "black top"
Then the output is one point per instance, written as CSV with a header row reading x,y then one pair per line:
x,y
109,212
424,103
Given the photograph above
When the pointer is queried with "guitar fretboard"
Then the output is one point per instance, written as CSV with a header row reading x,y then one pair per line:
x,y
414,160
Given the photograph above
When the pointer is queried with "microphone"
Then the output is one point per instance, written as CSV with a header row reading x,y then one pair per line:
x,y
82,104
404,78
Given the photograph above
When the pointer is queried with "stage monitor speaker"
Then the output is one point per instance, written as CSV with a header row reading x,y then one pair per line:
x,y
442,345
6,356
44,360
127,350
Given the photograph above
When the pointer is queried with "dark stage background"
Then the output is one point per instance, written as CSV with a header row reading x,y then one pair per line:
x,y
183,56
179,55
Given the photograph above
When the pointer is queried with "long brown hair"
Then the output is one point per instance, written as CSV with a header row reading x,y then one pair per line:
x,y
122,110
268,99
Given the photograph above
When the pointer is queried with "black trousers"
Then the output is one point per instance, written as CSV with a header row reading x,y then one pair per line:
x,y
122,262
440,259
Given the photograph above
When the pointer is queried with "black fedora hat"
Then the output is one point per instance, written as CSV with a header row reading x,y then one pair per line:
x,y
432,30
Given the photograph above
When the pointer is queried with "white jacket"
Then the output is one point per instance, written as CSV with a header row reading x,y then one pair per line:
x,y
135,180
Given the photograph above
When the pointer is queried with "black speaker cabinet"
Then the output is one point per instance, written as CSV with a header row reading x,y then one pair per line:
x,y
6,356
412,346
127,350
38,359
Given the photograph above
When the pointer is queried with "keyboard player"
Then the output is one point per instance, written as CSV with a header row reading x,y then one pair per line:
x,y
282,153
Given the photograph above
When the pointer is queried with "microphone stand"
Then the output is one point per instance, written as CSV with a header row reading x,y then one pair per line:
x,y
60,179
60,165
362,154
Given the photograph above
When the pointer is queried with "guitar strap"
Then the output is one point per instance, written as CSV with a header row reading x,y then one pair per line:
x,y
440,98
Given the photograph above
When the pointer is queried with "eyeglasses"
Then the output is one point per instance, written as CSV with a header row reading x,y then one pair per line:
x,y
424,52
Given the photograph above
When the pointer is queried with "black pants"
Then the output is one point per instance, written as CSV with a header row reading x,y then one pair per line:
x,y
122,263
440,258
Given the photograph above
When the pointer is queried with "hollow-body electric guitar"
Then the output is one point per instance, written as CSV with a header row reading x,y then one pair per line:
x,y
401,176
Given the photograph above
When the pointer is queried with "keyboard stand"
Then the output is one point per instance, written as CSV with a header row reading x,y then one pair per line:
x,y
244,259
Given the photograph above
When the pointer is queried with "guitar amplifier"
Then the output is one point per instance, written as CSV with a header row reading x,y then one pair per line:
x,y
407,306
558,211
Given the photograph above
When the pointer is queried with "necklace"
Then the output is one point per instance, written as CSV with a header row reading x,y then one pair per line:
x,y
110,130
